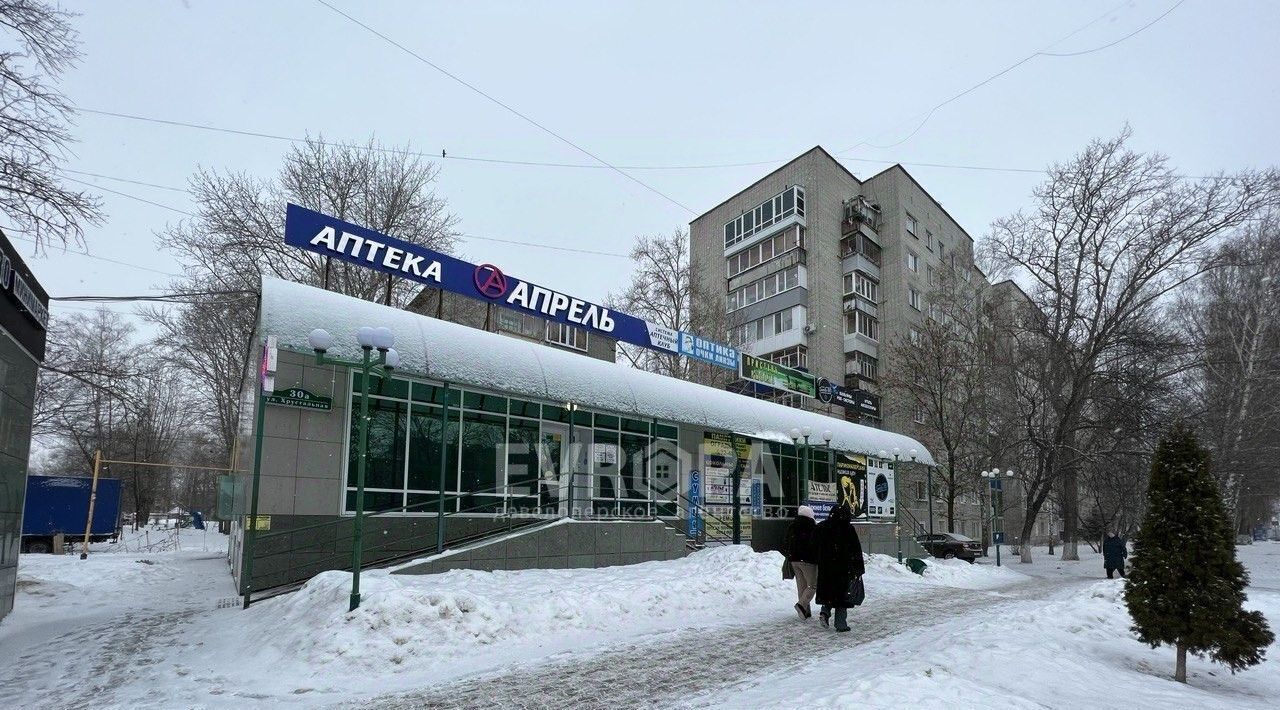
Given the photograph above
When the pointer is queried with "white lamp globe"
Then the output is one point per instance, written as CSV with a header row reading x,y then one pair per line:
x,y
320,340
795,434
806,431
364,336
383,338
393,359
826,436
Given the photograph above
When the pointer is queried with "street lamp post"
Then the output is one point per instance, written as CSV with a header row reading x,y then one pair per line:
x,y
388,360
572,408
997,507
928,488
897,504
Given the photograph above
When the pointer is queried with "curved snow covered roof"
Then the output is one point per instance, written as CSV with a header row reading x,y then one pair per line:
x,y
456,353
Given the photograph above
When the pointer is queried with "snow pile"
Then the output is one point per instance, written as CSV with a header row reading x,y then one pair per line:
x,y
945,573
425,620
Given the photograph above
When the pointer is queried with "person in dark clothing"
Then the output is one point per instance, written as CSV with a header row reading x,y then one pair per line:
x,y
839,564
1114,552
802,553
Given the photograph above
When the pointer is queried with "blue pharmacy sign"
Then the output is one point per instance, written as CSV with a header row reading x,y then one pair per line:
x,y
332,237
694,529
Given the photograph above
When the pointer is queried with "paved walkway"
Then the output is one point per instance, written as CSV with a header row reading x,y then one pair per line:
x,y
674,669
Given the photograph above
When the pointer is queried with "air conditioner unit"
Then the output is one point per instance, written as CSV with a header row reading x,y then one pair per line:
x,y
810,328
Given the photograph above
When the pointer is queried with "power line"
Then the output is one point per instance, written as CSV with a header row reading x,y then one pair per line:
x,y
1039,53
532,163
461,236
102,258
510,109
181,297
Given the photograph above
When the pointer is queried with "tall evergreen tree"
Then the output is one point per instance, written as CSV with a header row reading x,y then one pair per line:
x,y
1186,588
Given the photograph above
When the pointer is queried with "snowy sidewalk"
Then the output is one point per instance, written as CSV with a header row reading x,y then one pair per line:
x,y
685,668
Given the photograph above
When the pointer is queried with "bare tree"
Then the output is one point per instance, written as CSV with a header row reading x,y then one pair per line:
x,y
1237,327
35,125
945,370
1112,234
237,237
662,291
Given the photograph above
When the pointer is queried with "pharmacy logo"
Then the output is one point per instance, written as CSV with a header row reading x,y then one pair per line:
x,y
490,281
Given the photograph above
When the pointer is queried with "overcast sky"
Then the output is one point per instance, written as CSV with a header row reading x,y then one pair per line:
x,y
645,84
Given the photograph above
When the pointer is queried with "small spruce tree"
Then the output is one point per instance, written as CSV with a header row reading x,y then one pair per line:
x,y
1185,587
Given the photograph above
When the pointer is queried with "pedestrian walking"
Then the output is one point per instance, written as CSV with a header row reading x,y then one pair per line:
x,y
802,554
840,567
1114,552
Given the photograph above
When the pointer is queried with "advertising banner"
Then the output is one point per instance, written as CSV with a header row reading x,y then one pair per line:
x,y
822,498
694,529
332,237
776,376
851,483
858,400
882,500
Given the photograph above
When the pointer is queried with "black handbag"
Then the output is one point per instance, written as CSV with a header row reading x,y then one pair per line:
x,y
857,592
787,571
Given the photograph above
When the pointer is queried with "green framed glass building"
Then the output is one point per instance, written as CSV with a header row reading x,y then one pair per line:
x,y
513,433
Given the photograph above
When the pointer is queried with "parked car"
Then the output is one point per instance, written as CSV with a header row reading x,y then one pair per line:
x,y
951,546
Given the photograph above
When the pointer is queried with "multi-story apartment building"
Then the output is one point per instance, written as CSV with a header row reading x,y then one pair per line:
x,y
497,319
821,271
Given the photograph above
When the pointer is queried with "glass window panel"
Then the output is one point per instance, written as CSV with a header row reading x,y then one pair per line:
x,y
606,421
633,470
382,387
606,459
424,392
787,469
485,402
483,453
522,470
385,462
667,431
788,201
636,425
519,407
375,500
424,449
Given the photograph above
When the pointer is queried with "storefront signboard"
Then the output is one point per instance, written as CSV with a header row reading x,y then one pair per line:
x,y
822,498
851,483
332,237
776,376
694,528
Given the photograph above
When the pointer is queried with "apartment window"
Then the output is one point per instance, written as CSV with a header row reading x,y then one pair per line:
x,y
757,254
761,289
940,250
862,323
769,326
773,210
929,271
912,225
928,240
566,335
913,261
921,492
860,244
794,356
520,323
913,297
862,364
920,414
915,337
867,287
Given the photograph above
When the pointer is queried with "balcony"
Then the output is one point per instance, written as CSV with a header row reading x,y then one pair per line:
x,y
860,212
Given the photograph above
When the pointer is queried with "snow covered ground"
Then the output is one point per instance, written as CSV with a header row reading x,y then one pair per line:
x,y
712,630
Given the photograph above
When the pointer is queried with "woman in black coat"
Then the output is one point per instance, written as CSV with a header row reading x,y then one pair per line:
x,y
839,564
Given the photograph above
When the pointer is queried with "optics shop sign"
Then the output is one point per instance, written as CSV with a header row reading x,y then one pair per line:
x,y
299,398
776,376
322,234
